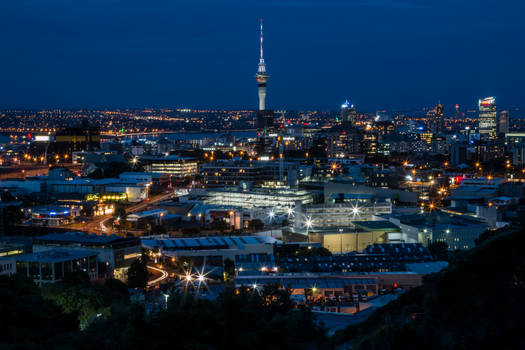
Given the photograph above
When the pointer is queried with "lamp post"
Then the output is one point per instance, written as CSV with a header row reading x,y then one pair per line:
x,y
272,215
166,297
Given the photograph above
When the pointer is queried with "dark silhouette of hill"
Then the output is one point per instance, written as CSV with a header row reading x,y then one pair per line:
x,y
477,302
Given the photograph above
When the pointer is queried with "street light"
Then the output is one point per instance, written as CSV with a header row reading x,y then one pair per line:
x,y
166,296
308,223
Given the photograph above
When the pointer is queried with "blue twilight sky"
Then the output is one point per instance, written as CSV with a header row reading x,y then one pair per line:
x,y
394,54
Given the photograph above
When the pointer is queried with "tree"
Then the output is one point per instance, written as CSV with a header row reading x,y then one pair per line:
x,y
120,216
138,273
490,277
229,268
190,231
28,320
13,215
439,250
6,196
88,209
120,213
159,230
219,224
255,225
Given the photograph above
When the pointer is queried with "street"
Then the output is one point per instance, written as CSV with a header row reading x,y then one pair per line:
x,y
101,225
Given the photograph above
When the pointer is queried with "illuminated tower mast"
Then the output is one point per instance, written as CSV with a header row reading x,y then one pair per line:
x,y
262,76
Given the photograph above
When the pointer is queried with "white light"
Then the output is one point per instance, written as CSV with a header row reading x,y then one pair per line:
x,y
355,210
201,278
188,278
290,211
272,214
308,223
255,286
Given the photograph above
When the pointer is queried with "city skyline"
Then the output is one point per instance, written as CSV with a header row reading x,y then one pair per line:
x,y
129,56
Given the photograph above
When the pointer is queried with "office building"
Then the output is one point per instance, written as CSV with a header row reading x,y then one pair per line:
x,y
74,139
503,123
348,114
436,119
178,167
488,117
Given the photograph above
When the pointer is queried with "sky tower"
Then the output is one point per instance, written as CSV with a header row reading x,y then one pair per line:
x,y
262,76
264,117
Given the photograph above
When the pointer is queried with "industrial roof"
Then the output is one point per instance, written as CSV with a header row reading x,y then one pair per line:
x,y
78,237
217,242
56,255
379,225
304,282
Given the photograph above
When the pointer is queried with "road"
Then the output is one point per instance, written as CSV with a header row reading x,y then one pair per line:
x,y
30,169
21,171
163,275
101,225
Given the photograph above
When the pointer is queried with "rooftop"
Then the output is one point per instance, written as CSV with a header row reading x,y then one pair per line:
x,y
219,242
380,225
56,255
78,237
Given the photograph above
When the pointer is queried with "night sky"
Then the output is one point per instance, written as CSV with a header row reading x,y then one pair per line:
x,y
378,53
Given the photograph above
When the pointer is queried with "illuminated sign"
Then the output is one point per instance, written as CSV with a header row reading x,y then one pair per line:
x,y
42,138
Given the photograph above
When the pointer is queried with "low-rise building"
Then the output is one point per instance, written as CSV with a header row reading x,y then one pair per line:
x,y
341,214
458,231
53,215
52,265
281,199
114,254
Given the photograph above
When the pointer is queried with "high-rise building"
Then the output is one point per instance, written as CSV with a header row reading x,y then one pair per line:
x,y
503,123
488,117
456,112
436,119
264,117
348,113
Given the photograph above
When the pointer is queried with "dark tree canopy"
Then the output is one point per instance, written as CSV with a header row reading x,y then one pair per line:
x,y
138,273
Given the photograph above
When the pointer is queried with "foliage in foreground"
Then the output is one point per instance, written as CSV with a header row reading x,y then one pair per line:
x,y
233,321
477,302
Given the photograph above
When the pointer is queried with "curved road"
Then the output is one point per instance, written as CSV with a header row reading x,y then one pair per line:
x,y
163,276
98,225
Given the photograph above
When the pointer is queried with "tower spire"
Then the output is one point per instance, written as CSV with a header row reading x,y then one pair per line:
x,y
262,58
262,76
262,66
